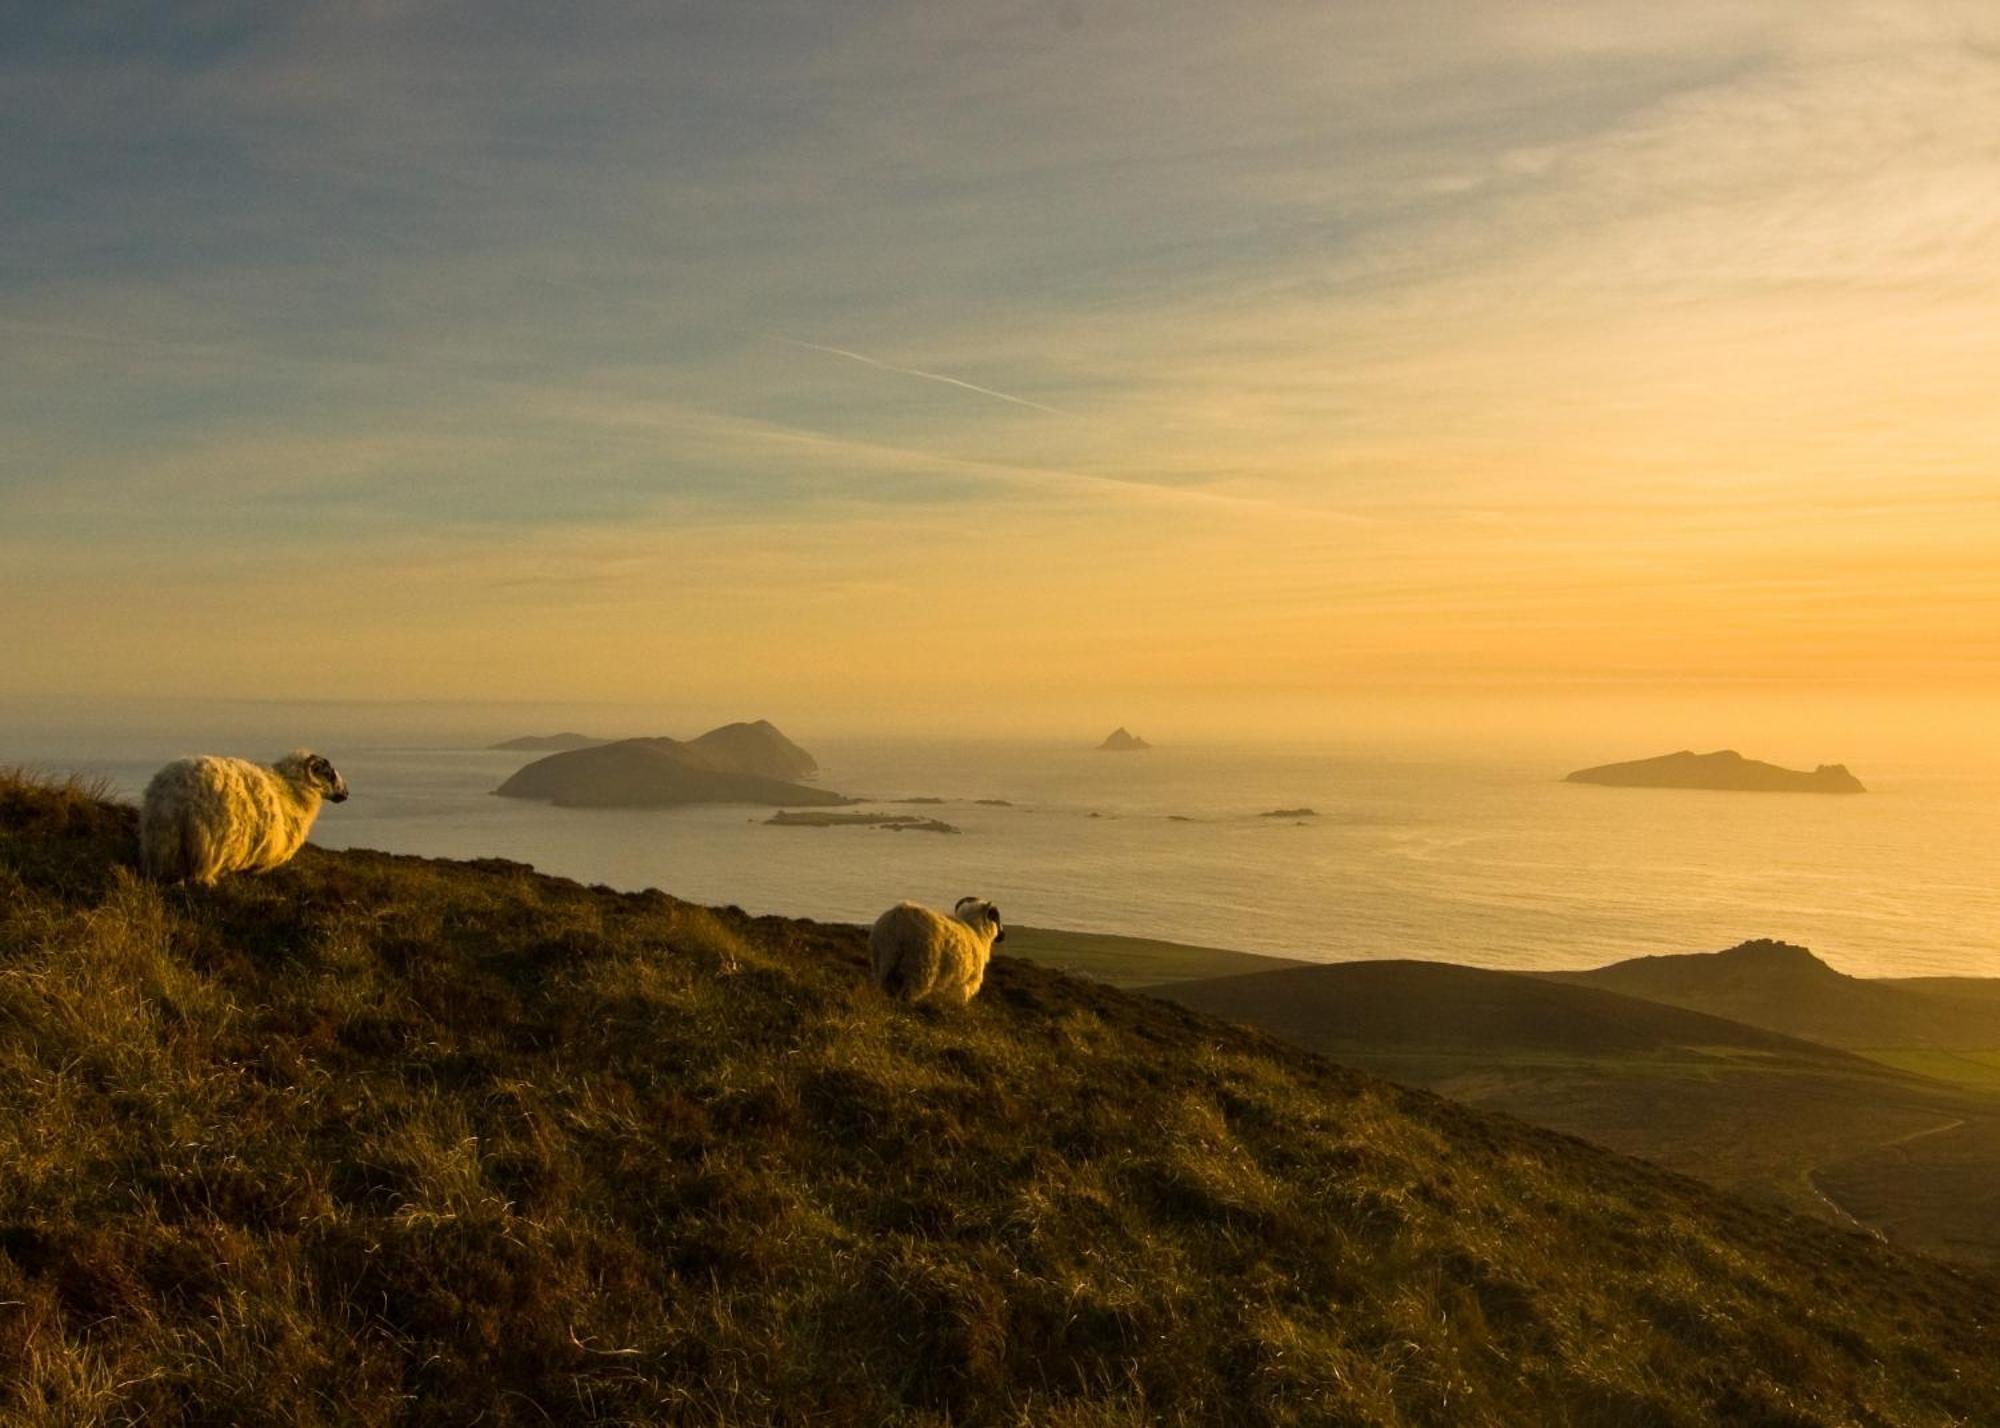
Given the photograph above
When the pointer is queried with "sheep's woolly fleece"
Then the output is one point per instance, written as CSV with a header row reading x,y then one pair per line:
x,y
921,955
206,816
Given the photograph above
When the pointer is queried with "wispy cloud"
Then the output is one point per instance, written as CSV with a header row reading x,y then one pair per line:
x,y
1378,329
879,365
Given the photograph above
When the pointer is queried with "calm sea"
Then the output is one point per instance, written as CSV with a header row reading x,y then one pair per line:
x,y
1494,862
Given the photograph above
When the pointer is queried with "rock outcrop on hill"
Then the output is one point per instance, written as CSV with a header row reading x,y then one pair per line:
x,y
1787,989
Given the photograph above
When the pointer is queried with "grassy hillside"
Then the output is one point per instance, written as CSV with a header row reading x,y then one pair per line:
x,y
380,1139
1742,1107
1785,988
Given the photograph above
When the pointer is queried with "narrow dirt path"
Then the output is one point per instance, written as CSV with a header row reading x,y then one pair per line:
x,y
1847,1216
1841,1212
1919,1135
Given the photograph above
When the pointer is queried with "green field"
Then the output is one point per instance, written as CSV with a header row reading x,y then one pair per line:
x,y
1977,1069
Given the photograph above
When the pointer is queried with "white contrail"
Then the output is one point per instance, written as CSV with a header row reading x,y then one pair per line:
x,y
876,363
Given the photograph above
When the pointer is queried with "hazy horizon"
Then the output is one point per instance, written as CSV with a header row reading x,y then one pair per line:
x,y
1873,734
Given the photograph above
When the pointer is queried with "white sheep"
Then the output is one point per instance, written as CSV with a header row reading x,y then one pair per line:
x,y
206,816
920,954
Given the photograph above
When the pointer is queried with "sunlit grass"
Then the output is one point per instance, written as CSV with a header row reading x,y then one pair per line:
x,y
378,1139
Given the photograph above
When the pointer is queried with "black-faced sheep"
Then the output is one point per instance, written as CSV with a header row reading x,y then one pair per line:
x,y
206,816
920,954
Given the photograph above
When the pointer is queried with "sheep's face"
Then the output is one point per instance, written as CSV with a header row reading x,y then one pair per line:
x,y
316,773
978,913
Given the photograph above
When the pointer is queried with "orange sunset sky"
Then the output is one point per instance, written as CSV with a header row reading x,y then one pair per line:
x,y
964,359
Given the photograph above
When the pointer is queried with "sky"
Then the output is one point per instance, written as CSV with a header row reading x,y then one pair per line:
x,y
1008,365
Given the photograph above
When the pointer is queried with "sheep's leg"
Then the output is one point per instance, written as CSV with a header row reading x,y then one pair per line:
x,y
163,850
921,973
902,981
956,995
200,859
185,859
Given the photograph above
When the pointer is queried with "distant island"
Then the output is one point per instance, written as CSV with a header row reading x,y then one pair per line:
x,y
1725,769
1122,741
737,763
549,743
1290,813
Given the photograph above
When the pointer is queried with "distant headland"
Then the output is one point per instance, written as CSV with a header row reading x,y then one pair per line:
x,y
1122,741
1725,769
548,743
737,763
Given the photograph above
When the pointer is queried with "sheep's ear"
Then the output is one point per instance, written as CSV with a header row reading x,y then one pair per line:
x,y
994,913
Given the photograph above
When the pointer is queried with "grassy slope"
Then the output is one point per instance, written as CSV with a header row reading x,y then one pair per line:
x,y
1936,1188
381,1139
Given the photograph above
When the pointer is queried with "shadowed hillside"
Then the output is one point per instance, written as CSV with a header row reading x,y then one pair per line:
x,y
1443,1007
383,1139
1786,988
1742,1107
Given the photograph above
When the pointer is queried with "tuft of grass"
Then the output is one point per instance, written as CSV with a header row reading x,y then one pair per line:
x,y
380,1140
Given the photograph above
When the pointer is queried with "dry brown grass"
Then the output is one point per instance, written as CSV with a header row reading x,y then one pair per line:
x,y
380,1140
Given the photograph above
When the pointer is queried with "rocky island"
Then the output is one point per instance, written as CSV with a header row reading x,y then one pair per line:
x,y
1122,741
1725,769
737,763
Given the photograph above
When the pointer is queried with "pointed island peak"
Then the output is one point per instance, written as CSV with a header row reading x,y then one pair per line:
x,y
1122,741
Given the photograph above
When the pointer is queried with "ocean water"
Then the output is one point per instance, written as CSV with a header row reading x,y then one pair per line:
x,y
1491,860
